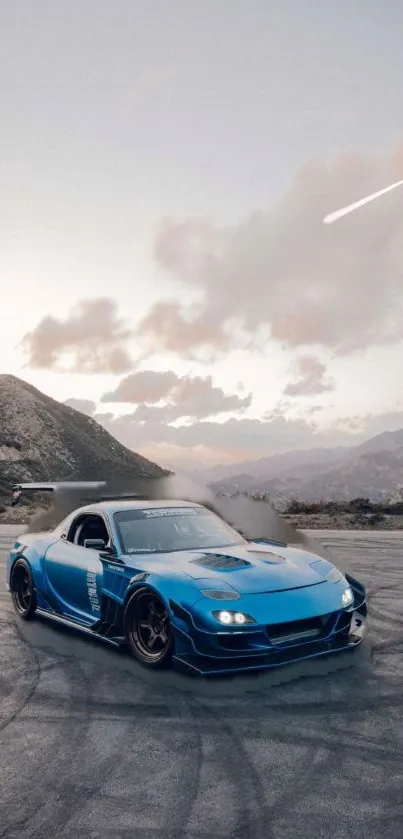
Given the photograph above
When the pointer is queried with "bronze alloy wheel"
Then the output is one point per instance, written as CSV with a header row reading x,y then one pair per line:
x,y
147,628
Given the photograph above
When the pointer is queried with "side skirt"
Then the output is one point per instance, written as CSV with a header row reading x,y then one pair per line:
x,y
85,630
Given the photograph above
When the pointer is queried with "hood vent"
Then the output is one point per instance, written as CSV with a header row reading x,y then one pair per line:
x,y
268,557
269,542
221,562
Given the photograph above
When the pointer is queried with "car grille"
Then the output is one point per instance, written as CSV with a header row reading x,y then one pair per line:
x,y
302,630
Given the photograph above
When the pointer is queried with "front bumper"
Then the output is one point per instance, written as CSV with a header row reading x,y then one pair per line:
x,y
261,647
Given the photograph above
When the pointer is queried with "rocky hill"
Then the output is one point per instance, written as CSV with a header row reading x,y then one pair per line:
x,y
41,439
372,474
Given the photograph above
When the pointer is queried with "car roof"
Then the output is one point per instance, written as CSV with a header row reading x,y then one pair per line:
x,y
117,506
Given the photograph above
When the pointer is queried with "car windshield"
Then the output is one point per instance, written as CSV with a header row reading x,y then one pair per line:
x,y
165,529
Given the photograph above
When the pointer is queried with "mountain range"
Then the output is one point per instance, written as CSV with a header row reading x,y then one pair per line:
x,y
373,469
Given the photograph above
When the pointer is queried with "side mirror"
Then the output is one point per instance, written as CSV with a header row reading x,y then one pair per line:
x,y
95,544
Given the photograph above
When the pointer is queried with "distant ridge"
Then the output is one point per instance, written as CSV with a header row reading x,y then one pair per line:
x,y
373,469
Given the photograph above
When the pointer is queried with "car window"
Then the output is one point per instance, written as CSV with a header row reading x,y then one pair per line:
x,y
165,529
87,526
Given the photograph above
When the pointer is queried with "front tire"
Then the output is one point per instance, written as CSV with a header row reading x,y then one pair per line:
x,y
148,631
22,590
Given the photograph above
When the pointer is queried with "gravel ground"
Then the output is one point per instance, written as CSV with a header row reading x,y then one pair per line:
x,y
342,522
92,747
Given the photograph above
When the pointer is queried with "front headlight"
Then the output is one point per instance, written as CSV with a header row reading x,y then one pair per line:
x,y
233,618
347,597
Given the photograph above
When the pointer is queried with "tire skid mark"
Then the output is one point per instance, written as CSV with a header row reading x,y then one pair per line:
x,y
322,762
19,824
385,616
104,711
177,731
388,646
342,707
36,674
76,795
320,766
320,708
233,759
180,726
189,792
72,730
367,751
47,770
73,784
376,591
262,817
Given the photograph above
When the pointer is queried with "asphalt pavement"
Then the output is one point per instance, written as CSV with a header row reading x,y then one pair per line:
x,y
91,746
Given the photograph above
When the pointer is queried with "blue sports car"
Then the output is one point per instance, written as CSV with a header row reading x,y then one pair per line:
x,y
176,584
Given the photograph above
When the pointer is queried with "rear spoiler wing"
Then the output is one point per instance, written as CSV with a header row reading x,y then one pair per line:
x,y
20,489
68,496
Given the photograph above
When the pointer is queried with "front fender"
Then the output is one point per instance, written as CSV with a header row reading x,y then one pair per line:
x,y
170,590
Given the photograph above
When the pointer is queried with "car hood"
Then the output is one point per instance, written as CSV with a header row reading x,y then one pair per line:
x,y
250,569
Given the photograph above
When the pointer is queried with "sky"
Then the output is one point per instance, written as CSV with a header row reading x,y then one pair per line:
x,y
164,172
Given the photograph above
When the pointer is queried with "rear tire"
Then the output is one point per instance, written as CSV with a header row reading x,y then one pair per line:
x,y
22,590
148,631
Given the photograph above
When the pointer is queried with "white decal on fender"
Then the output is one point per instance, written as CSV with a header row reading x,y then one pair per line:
x,y
92,591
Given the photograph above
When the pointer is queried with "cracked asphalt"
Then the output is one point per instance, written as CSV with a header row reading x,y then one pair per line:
x,y
91,746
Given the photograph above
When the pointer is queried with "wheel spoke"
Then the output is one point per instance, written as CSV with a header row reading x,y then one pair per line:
x,y
152,639
152,610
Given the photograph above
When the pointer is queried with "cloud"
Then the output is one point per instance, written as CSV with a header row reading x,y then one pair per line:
x,y
282,270
92,334
310,378
168,327
143,386
370,425
185,396
239,439
85,406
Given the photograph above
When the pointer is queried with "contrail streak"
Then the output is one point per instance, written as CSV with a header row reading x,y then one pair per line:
x,y
329,219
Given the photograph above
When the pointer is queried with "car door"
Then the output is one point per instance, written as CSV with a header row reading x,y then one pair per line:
x,y
74,572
